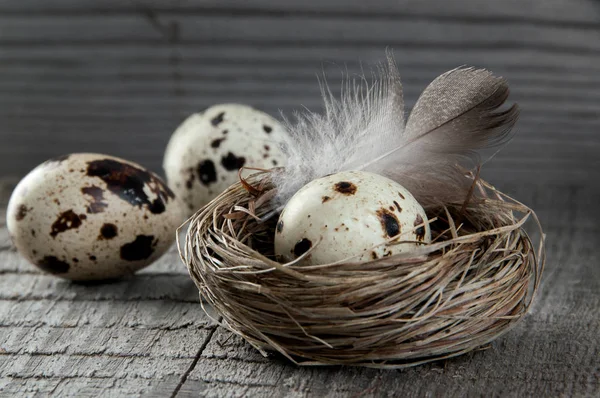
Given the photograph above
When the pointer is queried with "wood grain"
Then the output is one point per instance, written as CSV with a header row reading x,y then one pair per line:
x,y
118,76
147,336
577,12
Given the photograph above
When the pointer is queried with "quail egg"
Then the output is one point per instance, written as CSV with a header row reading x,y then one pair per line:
x,y
207,150
90,216
350,214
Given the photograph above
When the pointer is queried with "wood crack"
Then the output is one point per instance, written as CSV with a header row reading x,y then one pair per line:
x,y
239,383
89,355
194,362
109,326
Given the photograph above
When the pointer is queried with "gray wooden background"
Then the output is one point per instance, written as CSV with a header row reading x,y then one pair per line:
x,y
118,76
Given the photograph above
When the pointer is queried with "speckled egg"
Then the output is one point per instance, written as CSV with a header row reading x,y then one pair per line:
x,y
90,216
206,151
350,214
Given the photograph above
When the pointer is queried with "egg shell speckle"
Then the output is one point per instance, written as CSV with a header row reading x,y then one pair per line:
x,y
90,216
206,151
347,214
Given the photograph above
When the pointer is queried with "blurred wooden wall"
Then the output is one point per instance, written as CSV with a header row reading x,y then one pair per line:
x,y
118,76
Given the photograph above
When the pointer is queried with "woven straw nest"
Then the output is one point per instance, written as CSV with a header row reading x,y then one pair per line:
x,y
471,285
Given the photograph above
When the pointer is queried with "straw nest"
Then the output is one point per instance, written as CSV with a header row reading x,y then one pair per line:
x,y
471,285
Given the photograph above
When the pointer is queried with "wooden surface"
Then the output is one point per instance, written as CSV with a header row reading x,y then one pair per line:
x,y
118,76
147,335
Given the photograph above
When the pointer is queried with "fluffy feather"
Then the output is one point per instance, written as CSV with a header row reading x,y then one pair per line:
x,y
455,116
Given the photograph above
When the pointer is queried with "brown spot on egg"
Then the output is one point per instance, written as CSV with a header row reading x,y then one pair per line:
x,y
56,201
387,254
108,231
420,232
75,260
21,212
217,142
92,258
33,232
267,147
401,196
389,222
53,265
65,221
398,207
96,194
140,249
232,162
82,217
325,198
302,246
225,132
279,227
274,162
215,121
128,183
374,255
267,129
265,156
189,182
392,208
207,172
33,251
345,187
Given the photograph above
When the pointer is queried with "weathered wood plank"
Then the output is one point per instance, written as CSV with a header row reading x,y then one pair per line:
x,y
152,314
552,11
310,59
292,31
102,366
151,286
567,94
554,351
114,341
88,387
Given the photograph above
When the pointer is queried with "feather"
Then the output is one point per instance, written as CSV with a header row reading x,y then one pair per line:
x,y
456,116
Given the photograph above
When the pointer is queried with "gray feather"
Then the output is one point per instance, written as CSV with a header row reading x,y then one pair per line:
x,y
456,116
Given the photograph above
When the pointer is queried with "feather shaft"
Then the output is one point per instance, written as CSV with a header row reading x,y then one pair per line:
x,y
456,116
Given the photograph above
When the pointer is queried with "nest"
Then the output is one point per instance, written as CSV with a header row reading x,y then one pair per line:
x,y
469,286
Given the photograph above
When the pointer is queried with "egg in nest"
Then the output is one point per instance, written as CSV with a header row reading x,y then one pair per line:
x,y
207,150
90,216
354,216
